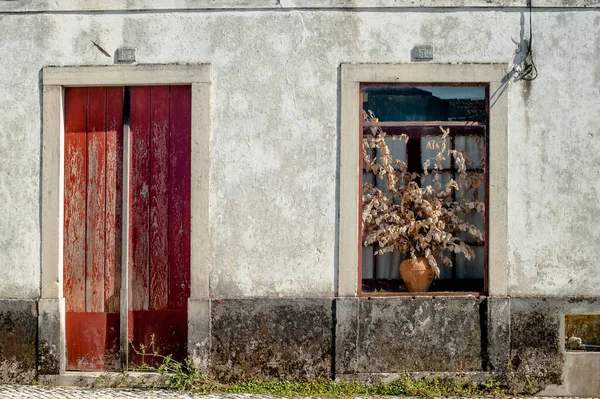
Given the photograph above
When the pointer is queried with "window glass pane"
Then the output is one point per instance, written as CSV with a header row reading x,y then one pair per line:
x,y
368,178
445,272
471,268
388,265
431,146
473,147
367,262
381,183
443,179
397,148
425,103
472,188
477,220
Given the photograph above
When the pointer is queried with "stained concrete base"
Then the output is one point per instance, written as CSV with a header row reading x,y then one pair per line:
x,y
271,338
18,330
519,341
538,358
410,334
199,333
581,376
51,336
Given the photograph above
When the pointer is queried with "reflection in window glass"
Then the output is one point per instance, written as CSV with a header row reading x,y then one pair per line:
x,y
425,103
443,178
431,146
473,268
473,147
367,262
477,220
476,190
397,148
387,265
582,332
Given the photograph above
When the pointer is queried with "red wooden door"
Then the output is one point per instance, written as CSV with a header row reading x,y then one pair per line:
x,y
159,220
92,235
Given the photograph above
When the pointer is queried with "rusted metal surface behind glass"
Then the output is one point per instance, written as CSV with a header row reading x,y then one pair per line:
x,y
419,111
582,332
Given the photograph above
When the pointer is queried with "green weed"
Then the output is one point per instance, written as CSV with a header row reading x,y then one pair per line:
x,y
185,376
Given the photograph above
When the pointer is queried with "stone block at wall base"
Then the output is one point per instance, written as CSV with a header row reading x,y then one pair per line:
x,y
18,331
498,337
271,339
199,333
51,336
409,334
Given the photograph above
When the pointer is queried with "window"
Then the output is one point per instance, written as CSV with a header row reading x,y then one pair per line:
x,y
417,100
414,119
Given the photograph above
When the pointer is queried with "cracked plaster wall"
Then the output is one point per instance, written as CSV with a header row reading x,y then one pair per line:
x,y
274,132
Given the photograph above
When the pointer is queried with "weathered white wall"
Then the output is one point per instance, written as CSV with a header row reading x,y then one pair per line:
x,y
274,133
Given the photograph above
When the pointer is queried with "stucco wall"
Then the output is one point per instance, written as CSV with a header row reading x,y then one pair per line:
x,y
274,135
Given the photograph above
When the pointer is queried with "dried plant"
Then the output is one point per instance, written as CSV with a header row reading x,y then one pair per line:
x,y
415,219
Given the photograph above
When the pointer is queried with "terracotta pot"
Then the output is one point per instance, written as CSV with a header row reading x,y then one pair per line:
x,y
416,273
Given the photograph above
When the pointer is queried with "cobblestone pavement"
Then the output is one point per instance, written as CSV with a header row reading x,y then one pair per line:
x,y
25,391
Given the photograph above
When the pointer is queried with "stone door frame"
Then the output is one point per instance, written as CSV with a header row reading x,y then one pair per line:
x,y
51,308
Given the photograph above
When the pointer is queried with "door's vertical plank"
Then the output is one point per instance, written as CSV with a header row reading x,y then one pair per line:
x,y
180,195
159,199
96,140
114,197
75,198
140,196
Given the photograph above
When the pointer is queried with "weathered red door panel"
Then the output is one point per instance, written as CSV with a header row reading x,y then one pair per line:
x,y
139,220
159,261
114,198
96,195
160,331
92,243
75,198
92,341
159,198
180,196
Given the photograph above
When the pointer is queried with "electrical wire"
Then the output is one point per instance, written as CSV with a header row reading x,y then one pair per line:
x,y
529,71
